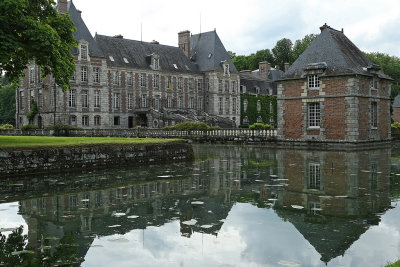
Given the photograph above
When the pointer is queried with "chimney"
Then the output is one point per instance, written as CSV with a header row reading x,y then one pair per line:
x,y
264,68
287,66
184,42
62,6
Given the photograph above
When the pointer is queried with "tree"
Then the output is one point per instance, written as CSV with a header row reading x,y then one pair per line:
x,y
33,30
7,102
301,45
283,52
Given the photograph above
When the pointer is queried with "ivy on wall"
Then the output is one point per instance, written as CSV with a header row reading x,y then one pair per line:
x,y
252,112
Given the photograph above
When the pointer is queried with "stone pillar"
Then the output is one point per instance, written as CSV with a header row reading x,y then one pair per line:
x,y
184,42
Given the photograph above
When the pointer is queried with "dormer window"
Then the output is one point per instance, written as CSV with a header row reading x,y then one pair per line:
x,y
226,68
156,63
374,84
313,82
84,51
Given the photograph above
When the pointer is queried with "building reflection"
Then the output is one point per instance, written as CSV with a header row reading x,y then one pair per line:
x,y
330,197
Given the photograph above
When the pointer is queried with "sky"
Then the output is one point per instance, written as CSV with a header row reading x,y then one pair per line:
x,y
247,26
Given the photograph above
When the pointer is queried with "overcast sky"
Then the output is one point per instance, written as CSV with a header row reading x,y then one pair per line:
x,y
247,26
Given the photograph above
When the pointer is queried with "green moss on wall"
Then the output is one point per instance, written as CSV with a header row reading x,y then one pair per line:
x,y
252,112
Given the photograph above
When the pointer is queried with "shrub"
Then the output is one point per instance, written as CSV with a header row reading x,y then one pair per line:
x,y
29,127
396,127
191,126
6,127
261,126
34,110
62,129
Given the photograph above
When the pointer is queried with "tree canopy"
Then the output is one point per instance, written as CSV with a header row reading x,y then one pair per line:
x,y
7,102
33,30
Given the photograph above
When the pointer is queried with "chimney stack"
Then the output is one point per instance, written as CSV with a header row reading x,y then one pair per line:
x,y
184,42
287,66
264,68
62,6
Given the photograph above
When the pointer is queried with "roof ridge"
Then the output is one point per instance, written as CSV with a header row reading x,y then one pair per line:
x,y
131,40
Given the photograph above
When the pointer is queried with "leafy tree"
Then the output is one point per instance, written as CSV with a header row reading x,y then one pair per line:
x,y
283,52
231,54
7,102
33,30
301,45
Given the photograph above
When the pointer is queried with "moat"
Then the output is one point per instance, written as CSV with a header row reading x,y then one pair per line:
x,y
232,206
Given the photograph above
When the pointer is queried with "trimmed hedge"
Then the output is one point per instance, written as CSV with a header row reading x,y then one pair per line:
x,y
62,129
261,126
192,126
6,127
29,127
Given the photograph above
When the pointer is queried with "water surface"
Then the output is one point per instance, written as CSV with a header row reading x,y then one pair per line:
x,y
233,206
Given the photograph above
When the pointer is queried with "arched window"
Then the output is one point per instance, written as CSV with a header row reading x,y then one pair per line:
x,y
258,106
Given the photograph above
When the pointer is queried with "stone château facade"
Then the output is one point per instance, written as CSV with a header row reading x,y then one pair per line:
x,y
125,83
333,92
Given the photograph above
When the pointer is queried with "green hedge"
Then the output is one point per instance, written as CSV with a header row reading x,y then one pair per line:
x,y
252,113
192,126
62,129
6,127
261,126
29,127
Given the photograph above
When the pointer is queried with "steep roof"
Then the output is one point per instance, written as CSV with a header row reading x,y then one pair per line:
x,y
138,54
207,51
334,50
82,32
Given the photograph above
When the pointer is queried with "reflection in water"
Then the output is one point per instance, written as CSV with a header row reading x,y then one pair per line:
x,y
331,199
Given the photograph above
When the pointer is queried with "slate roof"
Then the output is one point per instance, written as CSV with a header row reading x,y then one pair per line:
x,y
82,32
335,50
207,51
138,54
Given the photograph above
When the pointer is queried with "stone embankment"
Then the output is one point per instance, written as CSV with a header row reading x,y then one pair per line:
x,y
52,159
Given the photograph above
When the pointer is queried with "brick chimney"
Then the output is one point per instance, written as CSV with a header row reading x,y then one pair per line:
x,y
184,42
264,68
287,66
62,6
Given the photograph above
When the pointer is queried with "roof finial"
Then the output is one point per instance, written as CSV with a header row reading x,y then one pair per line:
x,y
323,27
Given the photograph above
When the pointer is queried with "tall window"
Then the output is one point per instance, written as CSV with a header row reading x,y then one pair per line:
x,y
21,100
40,98
234,105
200,103
191,102
169,82
115,77
191,84
97,120
84,51
374,114
129,78
84,74
258,106
72,120
169,101
116,101
85,99
220,105
97,98
314,115
72,98
130,101
157,102
180,101
156,81
220,85
32,75
227,105
85,120
314,176
116,120
313,82
143,79
245,105
200,84
180,83
96,75
226,88
143,102
233,87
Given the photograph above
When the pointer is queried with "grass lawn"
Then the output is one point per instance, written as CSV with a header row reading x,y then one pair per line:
x,y
7,142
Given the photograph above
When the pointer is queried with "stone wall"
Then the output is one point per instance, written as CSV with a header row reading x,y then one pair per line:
x,y
27,161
